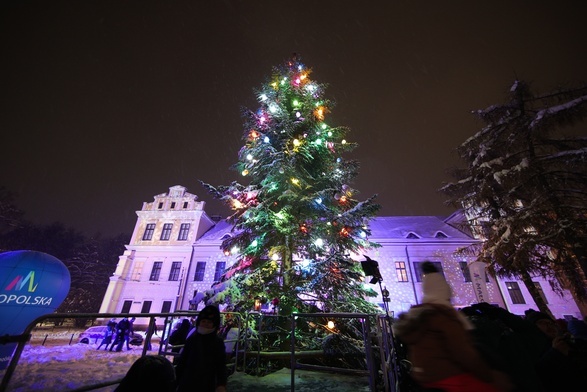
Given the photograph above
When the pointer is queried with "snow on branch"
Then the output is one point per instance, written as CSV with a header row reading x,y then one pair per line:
x,y
547,113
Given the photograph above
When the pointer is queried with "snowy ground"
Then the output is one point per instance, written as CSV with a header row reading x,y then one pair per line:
x,y
60,366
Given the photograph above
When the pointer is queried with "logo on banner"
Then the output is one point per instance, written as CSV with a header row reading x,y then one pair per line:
x,y
19,283
478,278
32,284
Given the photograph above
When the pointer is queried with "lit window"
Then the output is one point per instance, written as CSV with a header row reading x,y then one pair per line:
x,y
401,271
136,272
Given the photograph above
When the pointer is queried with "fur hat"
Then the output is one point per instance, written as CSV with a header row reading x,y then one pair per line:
x,y
210,312
435,288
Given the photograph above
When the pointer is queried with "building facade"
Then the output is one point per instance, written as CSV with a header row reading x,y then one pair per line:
x,y
174,257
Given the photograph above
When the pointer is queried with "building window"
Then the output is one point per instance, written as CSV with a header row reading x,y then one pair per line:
x,y
418,269
172,205
467,273
166,308
539,288
200,270
184,229
126,307
146,307
515,292
174,273
166,232
185,205
401,271
149,230
220,266
160,205
156,271
136,272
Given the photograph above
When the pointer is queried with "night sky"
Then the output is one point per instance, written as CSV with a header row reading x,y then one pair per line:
x,y
105,104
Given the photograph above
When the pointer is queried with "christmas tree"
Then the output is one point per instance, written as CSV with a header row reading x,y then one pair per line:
x,y
297,223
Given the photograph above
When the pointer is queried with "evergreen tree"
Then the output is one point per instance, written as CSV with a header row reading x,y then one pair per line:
x,y
525,189
297,221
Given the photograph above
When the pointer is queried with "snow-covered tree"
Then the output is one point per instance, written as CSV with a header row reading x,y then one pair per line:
x,y
297,221
524,188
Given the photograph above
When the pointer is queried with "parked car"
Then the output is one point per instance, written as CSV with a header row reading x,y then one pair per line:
x,y
96,333
92,334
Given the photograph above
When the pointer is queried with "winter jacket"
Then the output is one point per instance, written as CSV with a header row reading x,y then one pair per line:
x,y
439,345
201,365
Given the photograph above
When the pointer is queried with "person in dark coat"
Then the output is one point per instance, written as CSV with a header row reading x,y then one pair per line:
x,y
179,336
201,364
107,339
121,330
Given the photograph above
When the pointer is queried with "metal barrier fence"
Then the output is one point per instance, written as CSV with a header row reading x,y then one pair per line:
x,y
102,318
243,342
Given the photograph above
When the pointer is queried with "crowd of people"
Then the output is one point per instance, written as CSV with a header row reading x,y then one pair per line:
x,y
486,348
480,348
117,334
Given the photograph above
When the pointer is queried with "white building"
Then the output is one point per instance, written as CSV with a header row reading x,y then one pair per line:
x,y
174,254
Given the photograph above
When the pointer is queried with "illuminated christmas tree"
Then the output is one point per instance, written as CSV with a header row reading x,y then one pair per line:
x,y
298,228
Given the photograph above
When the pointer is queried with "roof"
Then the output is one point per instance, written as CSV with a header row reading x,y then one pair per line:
x,y
423,227
386,227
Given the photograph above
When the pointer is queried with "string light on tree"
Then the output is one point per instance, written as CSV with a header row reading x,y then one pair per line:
x,y
293,161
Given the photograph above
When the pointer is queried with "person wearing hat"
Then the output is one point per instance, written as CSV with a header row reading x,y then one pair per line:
x,y
201,364
439,344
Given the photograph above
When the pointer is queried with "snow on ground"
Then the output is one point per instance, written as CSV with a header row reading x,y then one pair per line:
x,y
60,366
66,367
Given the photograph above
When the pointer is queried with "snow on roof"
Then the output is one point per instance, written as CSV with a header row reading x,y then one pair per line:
x,y
425,227
215,234
386,227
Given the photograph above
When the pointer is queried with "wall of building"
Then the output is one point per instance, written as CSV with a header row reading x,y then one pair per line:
x,y
405,242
